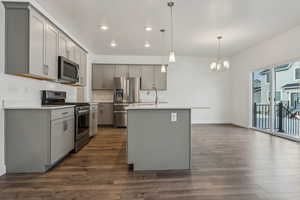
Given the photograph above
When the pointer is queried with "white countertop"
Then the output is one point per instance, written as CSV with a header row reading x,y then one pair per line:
x,y
144,106
103,101
37,107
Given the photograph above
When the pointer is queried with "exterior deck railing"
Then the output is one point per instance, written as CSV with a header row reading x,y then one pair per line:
x,y
286,121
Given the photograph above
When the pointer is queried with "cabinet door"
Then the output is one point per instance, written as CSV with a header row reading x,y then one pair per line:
x,y
108,113
69,136
63,45
62,138
57,140
51,51
135,71
147,80
105,114
71,50
121,70
160,78
103,77
37,24
82,68
77,54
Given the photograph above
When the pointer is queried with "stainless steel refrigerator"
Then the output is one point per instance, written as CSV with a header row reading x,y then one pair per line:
x,y
126,92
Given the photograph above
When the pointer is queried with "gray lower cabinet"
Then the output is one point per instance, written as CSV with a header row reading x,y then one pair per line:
x,y
41,138
105,113
103,77
93,119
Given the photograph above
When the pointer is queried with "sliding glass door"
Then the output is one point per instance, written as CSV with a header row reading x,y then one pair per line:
x,y
261,93
287,94
276,99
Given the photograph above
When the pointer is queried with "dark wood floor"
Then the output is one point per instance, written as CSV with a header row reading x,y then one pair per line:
x,y
228,163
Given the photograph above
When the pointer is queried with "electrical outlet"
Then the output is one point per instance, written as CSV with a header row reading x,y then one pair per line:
x,y
173,117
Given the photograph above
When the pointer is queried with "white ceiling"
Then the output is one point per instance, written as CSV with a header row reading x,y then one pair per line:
x,y
243,23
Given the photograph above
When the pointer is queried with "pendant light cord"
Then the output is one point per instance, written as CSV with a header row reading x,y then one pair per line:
x,y
162,45
172,26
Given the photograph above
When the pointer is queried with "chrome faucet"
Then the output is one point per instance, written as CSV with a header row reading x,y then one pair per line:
x,y
156,96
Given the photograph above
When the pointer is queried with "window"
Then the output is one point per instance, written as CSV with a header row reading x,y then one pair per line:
x,y
297,73
278,96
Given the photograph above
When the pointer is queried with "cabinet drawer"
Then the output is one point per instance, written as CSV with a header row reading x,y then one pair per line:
x,y
61,113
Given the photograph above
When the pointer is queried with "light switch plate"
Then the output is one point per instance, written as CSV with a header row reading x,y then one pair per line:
x,y
173,117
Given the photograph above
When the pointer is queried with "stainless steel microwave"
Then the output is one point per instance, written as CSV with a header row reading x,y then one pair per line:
x,y
67,70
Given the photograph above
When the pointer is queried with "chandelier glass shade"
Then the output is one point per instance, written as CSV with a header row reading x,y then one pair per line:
x,y
220,64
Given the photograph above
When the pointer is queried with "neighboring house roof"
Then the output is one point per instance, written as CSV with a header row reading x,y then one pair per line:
x,y
291,86
283,67
277,69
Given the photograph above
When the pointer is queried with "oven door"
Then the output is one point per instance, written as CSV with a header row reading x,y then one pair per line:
x,y
82,122
67,70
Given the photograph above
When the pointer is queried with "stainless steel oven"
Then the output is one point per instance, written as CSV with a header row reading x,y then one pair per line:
x,y
67,70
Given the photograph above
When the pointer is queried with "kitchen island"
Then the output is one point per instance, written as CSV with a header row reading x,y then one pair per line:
x,y
159,137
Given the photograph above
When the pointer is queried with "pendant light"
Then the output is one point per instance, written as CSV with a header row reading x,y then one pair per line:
x,y
220,64
172,52
163,66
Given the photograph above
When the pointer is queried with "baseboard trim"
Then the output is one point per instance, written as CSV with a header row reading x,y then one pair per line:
x,y
2,170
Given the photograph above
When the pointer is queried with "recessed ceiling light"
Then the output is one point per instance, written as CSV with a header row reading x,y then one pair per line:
x,y
103,27
148,28
113,44
147,45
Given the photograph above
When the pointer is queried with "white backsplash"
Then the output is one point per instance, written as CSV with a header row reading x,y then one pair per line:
x,y
145,96
103,95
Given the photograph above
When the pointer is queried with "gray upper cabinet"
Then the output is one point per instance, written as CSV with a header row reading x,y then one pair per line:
x,y
147,79
37,66
153,77
103,77
51,50
121,70
160,78
82,68
33,44
135,71
63,45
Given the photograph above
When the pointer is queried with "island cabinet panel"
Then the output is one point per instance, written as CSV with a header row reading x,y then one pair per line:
x,y
155,142
103,77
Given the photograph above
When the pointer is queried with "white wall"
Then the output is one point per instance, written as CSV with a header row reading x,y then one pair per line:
x,y
18,90
278,50
190,82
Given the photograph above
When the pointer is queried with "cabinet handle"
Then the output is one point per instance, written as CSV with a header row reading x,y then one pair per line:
x,y
65,126
65,113
46,69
